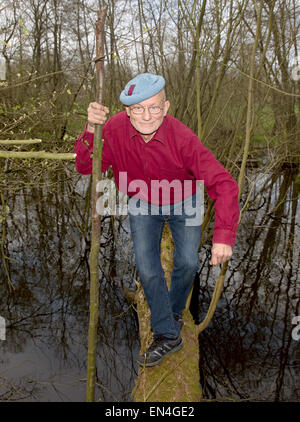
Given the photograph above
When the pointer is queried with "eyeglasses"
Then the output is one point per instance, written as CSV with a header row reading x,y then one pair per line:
x,y
140,109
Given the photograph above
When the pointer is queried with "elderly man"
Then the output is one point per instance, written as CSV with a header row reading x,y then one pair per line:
x,y
147,144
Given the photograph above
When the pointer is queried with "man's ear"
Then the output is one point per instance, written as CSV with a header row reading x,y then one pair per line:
x,y
167,105
127,111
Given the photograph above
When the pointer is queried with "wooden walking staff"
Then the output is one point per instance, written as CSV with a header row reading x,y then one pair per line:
x,y
96,218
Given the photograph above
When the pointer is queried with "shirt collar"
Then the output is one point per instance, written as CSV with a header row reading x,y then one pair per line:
x,y
160,135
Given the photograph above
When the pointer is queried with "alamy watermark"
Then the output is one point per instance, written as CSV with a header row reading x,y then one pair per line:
x,y
295,69
2,328
174,197
296,330
2,71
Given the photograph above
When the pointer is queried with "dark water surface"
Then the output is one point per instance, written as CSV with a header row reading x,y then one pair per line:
x,y
248,351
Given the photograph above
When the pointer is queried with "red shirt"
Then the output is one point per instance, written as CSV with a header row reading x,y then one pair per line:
x,y
174,153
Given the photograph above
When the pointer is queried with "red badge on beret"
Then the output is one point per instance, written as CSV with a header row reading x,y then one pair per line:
x,y
131,88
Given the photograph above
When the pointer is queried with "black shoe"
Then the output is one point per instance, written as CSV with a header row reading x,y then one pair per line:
x,y
161,347
179,321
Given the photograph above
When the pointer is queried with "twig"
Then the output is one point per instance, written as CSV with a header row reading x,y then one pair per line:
x,y
4,257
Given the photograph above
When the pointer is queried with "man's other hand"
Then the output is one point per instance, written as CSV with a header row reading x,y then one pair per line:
x,y
220,253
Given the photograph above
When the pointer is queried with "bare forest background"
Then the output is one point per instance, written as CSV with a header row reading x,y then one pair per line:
x,y
232,70
230,65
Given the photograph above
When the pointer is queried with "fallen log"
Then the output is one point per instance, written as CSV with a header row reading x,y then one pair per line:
x,y
176,378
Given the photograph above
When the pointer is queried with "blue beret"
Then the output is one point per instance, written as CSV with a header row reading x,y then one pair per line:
x,y
141,87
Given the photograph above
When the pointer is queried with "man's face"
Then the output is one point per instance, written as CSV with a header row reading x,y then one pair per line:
x,y
147,123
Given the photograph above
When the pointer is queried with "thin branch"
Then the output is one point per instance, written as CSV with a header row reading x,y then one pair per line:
x,y
19,141
37,155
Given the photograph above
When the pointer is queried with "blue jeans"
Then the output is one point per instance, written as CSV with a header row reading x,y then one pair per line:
x,y
146,233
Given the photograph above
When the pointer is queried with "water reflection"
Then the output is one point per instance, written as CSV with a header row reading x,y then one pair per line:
x,y
45,352
247,352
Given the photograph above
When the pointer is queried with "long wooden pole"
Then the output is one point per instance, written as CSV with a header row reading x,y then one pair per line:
x,y
96,219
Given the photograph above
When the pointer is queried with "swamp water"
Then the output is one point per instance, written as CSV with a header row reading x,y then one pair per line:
x,y
250,351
